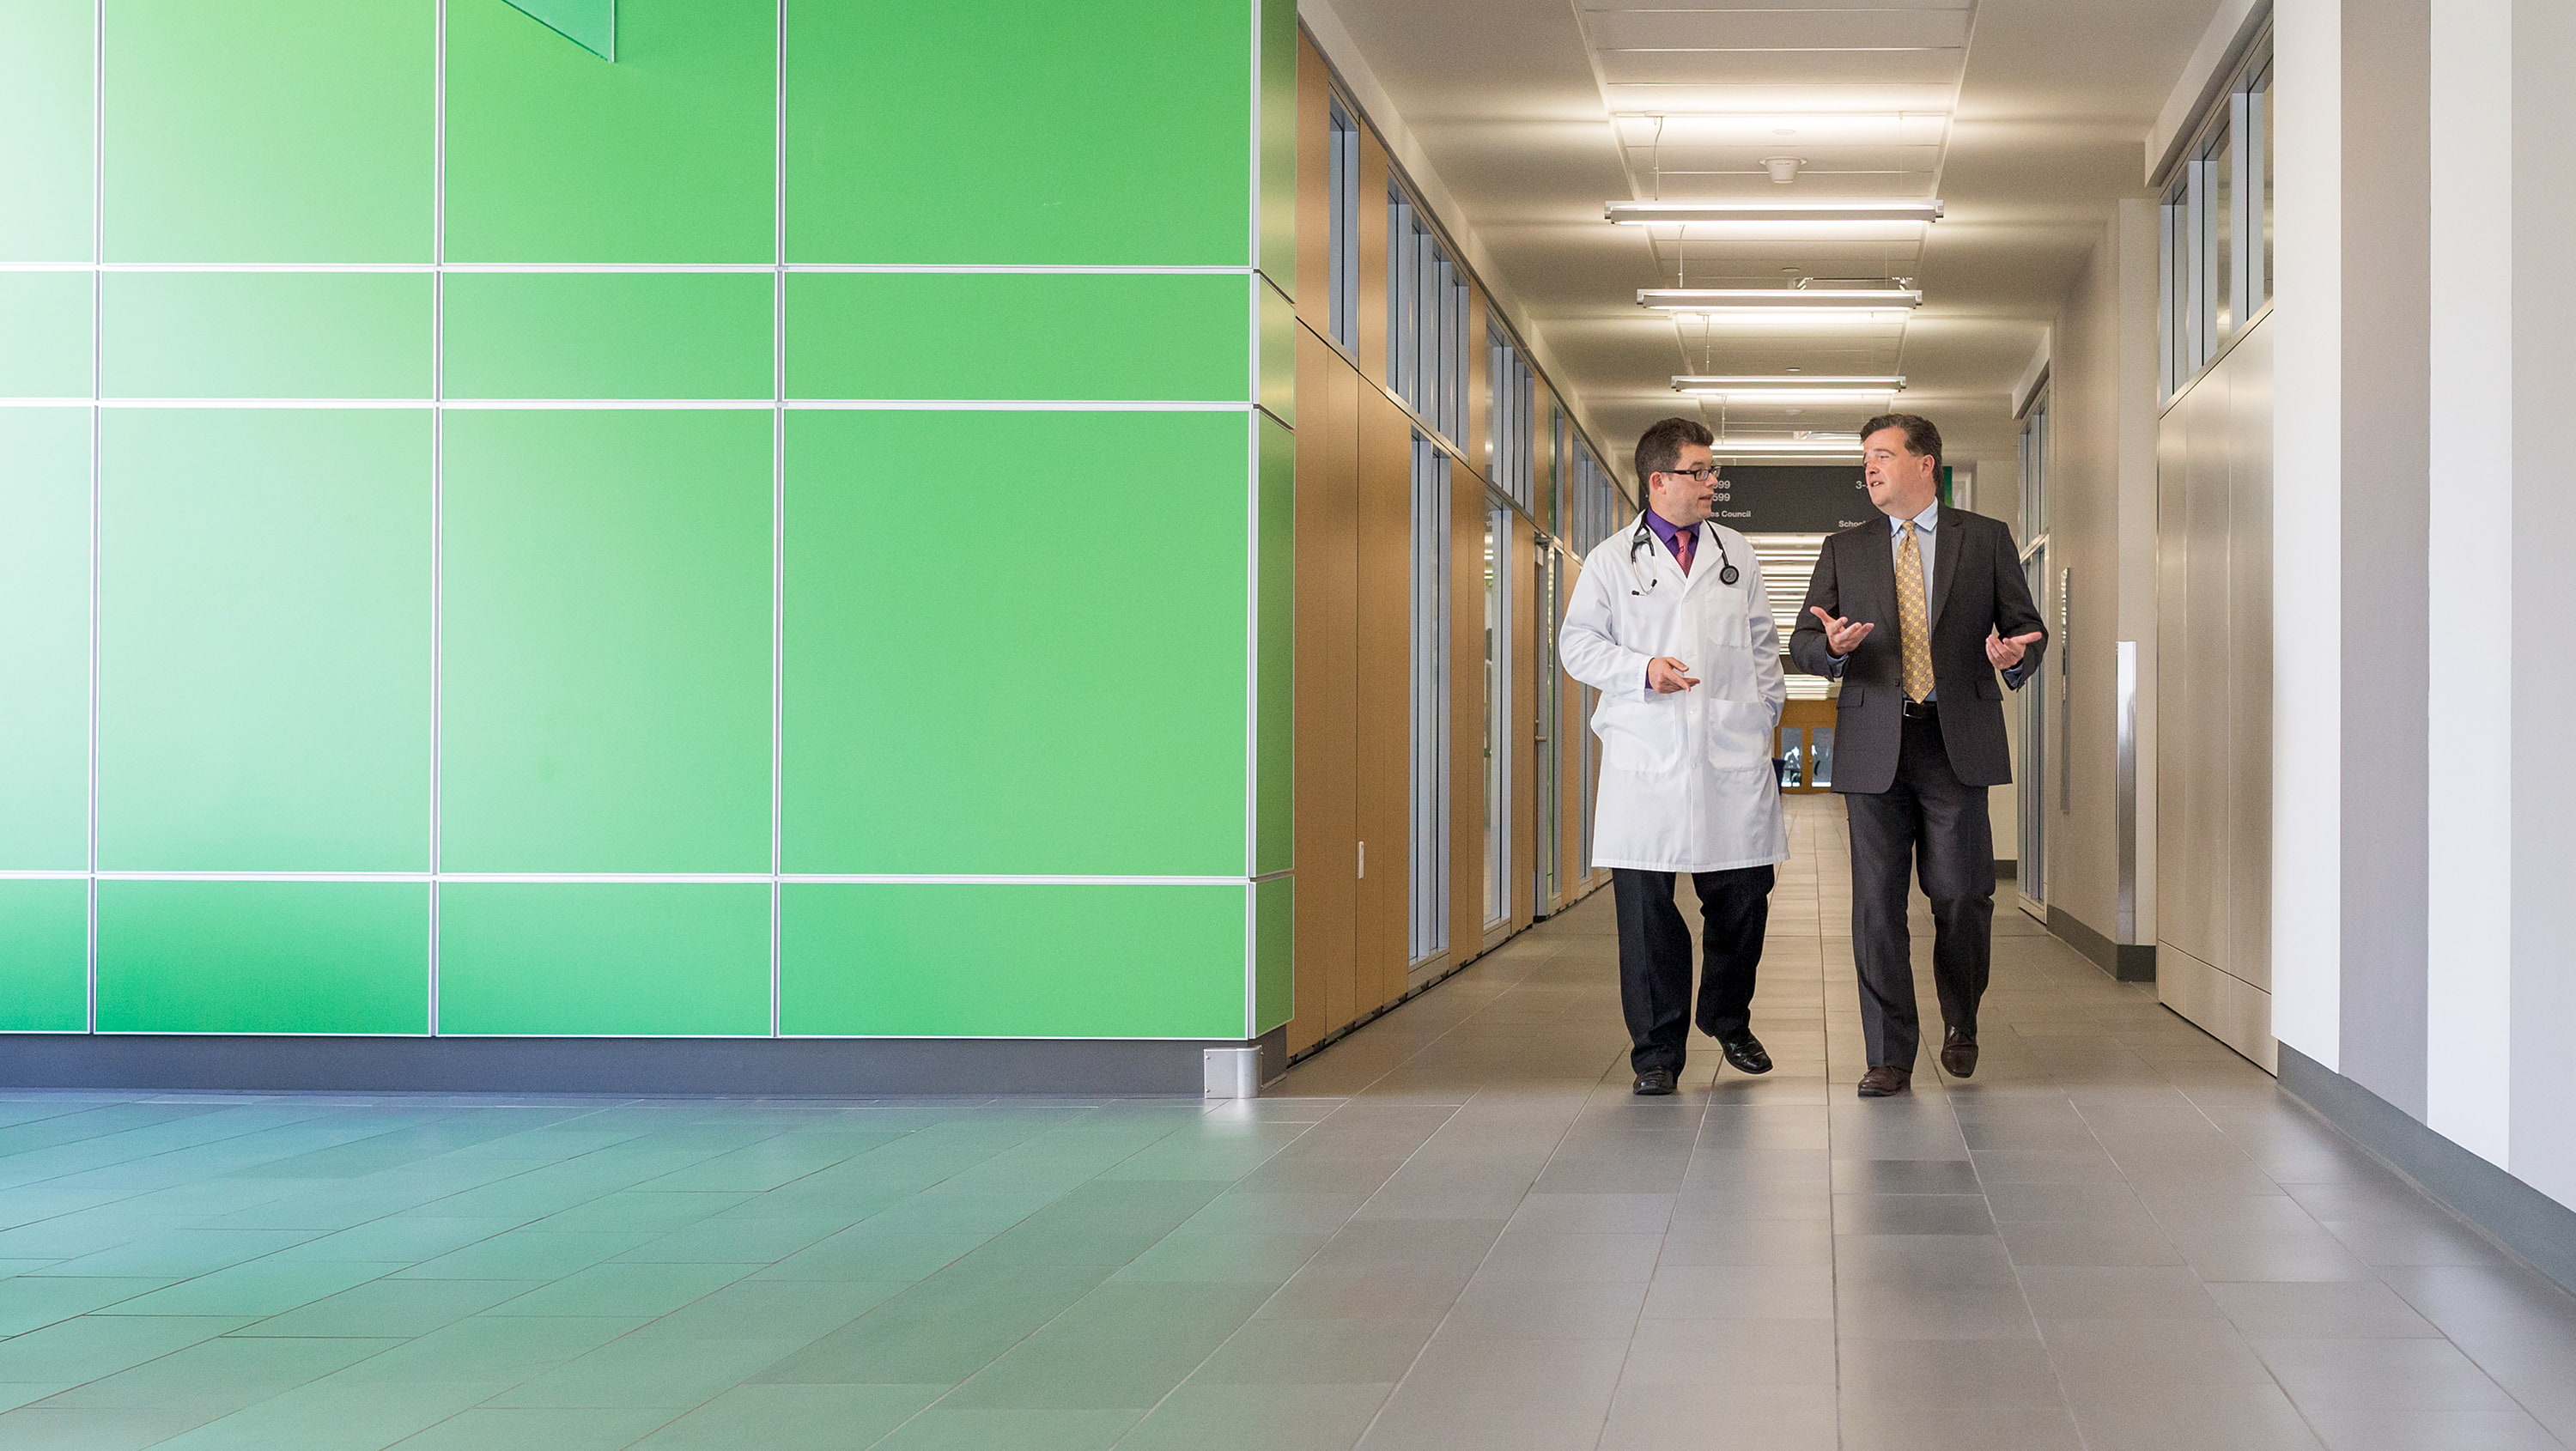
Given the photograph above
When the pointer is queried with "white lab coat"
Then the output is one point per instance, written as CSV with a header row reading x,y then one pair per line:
x,y
1686,779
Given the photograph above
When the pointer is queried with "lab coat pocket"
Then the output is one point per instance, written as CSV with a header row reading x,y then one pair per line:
x,y
1640,735
1739,735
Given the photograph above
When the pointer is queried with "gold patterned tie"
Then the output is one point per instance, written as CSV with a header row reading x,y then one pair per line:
x,y
1913,633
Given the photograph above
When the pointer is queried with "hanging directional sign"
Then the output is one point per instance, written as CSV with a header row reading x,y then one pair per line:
x,y
590,24
1793,498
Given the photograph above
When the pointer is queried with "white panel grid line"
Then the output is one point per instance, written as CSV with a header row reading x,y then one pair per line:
x,y
667,879
1251,679
437,483
778,534
1030,268
884,405
97,388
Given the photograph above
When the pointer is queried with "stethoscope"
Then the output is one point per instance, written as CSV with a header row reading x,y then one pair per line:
x,y
1643,539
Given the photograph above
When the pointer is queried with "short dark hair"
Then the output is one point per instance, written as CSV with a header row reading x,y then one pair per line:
x,y
1660,447
1920,436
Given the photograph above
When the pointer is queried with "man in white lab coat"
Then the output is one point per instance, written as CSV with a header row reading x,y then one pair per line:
x,y
1670,622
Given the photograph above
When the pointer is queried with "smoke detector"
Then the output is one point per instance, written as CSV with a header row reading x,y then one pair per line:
x,y
1783,169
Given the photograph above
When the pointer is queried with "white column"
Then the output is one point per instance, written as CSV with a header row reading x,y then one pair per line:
x,y
2307,562
2469,912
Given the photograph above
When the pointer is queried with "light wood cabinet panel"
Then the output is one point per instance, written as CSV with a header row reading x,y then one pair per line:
x,y
1327,694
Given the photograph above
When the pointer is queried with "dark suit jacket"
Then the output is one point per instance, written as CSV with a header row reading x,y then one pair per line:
x,y
1977,586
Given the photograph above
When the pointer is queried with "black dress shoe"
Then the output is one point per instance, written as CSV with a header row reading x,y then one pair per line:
x,y
1885,1082
1654,1082
1958,1054
1746,1052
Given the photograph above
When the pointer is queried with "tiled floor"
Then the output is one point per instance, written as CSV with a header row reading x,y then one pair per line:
x,y
1456,1229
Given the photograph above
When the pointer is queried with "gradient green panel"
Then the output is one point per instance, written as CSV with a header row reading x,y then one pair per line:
x,y
1065,695
623,959
1279,143
44,650
1278,351
44,956
267,334
607,641
1275,796
1017,961
263,957
48,113
264,693
1113,132
669,155
44,334
270,130
609,335
1070,335
1274,954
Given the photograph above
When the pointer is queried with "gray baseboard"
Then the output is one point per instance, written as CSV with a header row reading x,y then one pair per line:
x,y
2531,1224
824,1067
2128,962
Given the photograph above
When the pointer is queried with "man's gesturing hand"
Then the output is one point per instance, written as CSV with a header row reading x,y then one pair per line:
x,y
1668,675
2004,654
1841,635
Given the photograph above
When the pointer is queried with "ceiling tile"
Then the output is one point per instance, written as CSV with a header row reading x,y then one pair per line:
x,y
1934,65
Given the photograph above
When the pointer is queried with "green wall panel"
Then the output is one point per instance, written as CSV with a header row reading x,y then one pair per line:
x,y
1063,693
621,959
48,113
1172,338
44,334
606,650
269,130
1274,953
1113,132
1014,961
44,956
609,335
263,957
44,649
267,334
1278,142
1275,743
669,155
264,694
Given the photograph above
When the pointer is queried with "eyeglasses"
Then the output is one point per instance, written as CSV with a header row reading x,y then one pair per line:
x,y
1703,473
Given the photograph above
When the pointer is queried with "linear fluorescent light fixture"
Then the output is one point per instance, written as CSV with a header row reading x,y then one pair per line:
x,y
1759,448
1642,214
1752,382
1803,299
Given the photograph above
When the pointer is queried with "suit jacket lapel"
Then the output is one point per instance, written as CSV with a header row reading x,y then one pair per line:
x,y
1878,550
1947,546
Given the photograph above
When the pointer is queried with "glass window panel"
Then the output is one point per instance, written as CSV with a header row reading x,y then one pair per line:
x,y
2222,239
1429,875
1498,822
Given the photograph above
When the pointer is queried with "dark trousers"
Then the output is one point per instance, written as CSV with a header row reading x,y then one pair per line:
x,y
1655,957
1929,820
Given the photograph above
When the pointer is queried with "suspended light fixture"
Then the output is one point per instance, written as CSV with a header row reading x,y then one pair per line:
x,y
1641,214
1789,382
1803,299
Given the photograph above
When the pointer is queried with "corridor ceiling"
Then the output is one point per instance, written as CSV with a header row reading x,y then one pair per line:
x,y
2026,118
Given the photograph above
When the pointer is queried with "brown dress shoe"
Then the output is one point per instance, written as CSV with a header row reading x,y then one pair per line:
x,y
1959,1055
1885,1082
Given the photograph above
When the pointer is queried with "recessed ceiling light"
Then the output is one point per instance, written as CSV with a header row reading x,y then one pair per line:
x,y
1639,214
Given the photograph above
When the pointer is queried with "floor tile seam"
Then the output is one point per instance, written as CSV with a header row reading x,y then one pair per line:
x,y
1451,1309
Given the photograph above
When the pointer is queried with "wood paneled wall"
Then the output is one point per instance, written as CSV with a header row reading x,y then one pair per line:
x,y
1354,652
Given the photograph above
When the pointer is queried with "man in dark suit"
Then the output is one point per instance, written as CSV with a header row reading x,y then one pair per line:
x,y
1914,616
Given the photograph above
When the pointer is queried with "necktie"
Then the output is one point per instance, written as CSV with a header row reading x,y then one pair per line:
x,y
1913,631
1684,540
